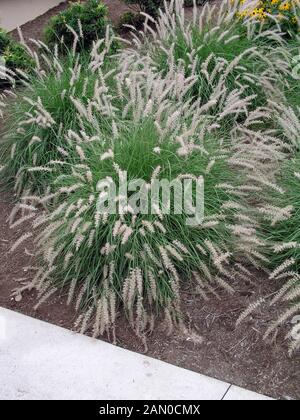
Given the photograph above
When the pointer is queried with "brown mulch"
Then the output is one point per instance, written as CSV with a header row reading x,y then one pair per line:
x,y
212,346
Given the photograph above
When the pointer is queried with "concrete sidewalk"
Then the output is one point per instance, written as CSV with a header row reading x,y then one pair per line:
x,y
14,13
40,361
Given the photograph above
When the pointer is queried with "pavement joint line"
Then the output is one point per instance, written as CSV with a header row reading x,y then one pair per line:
x,y
226,392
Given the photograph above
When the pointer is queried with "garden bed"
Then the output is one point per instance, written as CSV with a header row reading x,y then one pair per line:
x,y
213,345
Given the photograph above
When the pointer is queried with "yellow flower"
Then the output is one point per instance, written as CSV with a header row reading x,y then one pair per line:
x,y
285,6
242,14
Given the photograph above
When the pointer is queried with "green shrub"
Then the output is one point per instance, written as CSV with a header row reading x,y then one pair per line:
x,y
151,7
190,3
132,19
87,19
4,40
15,56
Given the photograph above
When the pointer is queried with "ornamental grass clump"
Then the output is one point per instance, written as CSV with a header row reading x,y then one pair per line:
x,y
214,46
291,85
129,260
278,210
284,237
44,110
282,244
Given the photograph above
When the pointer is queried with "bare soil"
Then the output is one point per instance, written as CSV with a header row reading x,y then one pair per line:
x,y
213,345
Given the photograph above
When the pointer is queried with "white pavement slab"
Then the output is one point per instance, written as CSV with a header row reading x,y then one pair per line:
x,y
14,13
39,360
42,361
